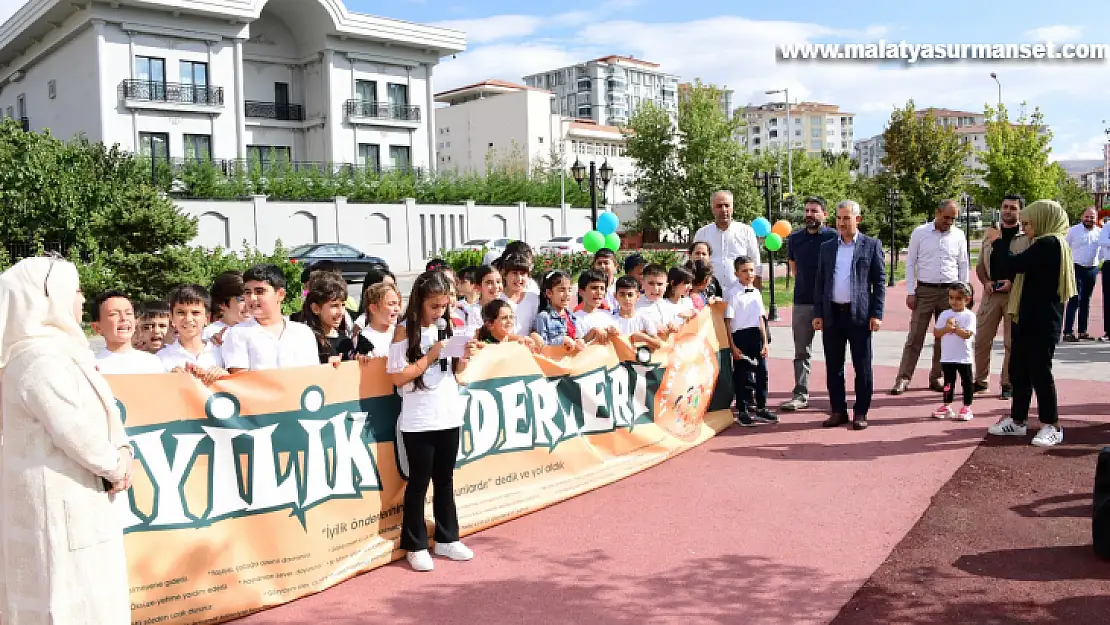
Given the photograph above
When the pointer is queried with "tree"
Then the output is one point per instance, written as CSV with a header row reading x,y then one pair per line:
x,y
677,172
1070,194
826,175
1016,160
873,196
925,159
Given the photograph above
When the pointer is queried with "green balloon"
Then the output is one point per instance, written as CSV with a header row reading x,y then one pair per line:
x,y
773,242
613,241
593,241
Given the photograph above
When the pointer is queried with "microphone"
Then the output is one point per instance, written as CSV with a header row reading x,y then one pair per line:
x,y
441,325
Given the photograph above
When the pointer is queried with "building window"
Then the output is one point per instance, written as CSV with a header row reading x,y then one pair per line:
x,y
198,147
152,70
11,111
370,156
21,106
268,155
541,140
367,91
400,156
398,95
155,146
194,82
52,89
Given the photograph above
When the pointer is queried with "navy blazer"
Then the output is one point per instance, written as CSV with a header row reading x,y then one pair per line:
x,y
868,280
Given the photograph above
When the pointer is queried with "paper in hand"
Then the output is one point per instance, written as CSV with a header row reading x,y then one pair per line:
x,y
456,345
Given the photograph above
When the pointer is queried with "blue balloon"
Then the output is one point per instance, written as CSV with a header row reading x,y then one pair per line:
x,y
607,223
761,226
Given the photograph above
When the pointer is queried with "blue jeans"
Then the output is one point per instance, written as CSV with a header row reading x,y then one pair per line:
x,y
1084,283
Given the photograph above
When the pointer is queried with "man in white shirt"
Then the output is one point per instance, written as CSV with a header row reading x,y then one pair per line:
x,y
113,317
1083,238
729,240
937,258
267,340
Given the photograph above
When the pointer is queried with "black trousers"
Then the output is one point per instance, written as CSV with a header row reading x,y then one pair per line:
x,y
749,381
950,369
1031,372
431,458
839,333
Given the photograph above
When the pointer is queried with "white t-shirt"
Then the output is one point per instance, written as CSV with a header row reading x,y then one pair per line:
x,y
738,240
212,329
638,322
744,307
248,345
174,355
660,312
599,318
128,361
954,349
525,312
439,406
380,340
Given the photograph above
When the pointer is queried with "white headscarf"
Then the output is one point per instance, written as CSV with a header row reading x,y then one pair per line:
x,y
36,310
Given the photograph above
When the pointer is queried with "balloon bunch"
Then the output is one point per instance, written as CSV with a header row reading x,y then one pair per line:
x,y
772,235
605,235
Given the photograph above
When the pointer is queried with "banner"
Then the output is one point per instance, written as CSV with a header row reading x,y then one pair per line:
x,y
269,486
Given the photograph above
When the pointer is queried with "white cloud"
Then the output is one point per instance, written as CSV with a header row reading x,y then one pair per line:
x,y
1056,34
1070,147
9,7
505,61
496,28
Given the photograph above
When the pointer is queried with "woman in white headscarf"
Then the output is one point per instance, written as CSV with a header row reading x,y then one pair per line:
x,y
64,454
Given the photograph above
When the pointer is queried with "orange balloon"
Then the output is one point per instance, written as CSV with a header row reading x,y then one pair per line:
x,y
782,228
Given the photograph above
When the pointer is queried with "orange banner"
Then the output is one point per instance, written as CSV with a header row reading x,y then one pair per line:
x,y
269,486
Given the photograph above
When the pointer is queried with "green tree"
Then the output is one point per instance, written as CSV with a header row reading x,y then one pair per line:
x,y
679,169
826,175
1016,160
873,196
1070,194
925,159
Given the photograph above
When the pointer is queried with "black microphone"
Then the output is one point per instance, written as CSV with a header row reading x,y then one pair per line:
x,y
441,325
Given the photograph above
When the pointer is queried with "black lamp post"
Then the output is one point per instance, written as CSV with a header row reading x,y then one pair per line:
x,y
599,180
769,181
892,198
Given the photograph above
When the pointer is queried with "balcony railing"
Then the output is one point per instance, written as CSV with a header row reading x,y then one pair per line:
x,y
274,110
378,110
153,91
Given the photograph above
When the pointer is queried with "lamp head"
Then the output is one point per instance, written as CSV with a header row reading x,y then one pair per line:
x,y
578,170
758,179
606,173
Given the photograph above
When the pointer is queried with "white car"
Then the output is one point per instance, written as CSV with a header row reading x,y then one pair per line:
x,y
563,245
484,244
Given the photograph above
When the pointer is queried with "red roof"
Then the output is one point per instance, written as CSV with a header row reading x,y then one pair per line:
x,y
613,58
493,82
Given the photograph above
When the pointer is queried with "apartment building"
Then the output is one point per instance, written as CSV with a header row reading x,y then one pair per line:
x,y
499,123
869,154
813,127
608,90
303,80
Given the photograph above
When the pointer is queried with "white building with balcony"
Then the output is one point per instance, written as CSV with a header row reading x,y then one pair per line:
x,y
608,90
304,80
811,127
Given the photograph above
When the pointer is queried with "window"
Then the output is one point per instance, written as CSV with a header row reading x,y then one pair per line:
x,y
198,147
155,146
815,145
541,140
21,106
194,82
268,155
814,133
11,111
366,90
400,156
398,94
52,89
797,133
370,156
153,71
797,121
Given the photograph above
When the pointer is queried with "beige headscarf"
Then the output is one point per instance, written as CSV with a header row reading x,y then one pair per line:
x,y
37,296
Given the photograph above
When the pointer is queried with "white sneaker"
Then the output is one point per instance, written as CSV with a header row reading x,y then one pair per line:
x,y
965,414
454,551
420,560
944,412
1048,436
1007,427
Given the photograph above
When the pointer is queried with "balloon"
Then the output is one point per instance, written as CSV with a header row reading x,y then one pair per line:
x,y
773,241
593,241
613,241
607,223
761,226
782,228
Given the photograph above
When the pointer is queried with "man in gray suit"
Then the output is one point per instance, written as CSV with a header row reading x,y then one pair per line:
x,y
848,308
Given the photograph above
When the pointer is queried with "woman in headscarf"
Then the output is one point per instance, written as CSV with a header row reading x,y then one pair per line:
x,y
1044,282
64,456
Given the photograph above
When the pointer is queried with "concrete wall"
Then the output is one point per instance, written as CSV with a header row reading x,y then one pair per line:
x,y
404,234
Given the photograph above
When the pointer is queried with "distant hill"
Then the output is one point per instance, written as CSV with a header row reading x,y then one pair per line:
x,y
1079,166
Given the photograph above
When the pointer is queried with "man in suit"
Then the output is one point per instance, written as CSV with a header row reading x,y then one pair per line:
x,y
848,307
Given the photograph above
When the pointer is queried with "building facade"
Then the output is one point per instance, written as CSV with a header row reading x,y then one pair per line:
x,y
608,90
496,123
869,154
813,127
301,80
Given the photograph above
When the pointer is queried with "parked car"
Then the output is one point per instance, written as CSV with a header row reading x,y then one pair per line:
x,y
353,263
484,244
563,245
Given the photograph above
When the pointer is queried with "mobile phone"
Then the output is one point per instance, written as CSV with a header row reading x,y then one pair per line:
x,y
998,284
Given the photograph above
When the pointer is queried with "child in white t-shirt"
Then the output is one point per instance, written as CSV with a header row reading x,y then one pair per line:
x,y
490,287
630,322
954,330
595,324
525,305
191,353
268,340
113,317
228,305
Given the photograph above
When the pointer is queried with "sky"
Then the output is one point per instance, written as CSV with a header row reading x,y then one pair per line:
x,y
732,43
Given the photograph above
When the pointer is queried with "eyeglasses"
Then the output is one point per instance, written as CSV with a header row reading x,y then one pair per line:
x,y
54,257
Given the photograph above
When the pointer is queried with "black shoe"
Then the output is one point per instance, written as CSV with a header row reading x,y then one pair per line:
x,y
835,420
1007,392
1071,338
859,423
982,387
744,419
765,416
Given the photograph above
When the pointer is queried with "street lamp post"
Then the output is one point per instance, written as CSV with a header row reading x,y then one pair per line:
x,y
789,160
599,181
769,182
995,77
892,200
